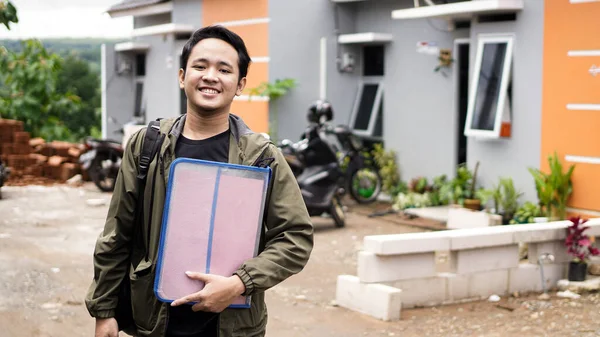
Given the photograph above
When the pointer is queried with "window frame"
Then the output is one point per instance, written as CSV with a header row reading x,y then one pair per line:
x,y
374,109
501,104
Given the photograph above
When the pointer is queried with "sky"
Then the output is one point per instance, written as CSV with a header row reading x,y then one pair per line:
x,y
66,18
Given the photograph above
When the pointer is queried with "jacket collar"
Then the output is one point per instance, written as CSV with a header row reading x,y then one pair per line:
x,y
236,125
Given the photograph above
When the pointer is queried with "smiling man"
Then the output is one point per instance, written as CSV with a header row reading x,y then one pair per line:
x,y
216,63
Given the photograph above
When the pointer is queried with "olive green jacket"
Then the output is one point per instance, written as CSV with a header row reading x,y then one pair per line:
x,y
287,238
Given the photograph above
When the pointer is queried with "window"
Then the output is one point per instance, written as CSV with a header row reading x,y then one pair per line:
x,y
373,60
367,114
139,94
140,65
489,104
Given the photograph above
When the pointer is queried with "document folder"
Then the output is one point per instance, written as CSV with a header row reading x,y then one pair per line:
x,y
211,224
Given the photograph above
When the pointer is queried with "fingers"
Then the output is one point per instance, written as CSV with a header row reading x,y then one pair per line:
x,y
199,276
195,297
186,299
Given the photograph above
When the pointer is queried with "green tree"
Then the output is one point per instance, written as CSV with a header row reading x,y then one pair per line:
x,y
76,77
28,81
8,13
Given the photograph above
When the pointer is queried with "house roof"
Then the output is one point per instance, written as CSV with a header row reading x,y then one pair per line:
x,y
131,4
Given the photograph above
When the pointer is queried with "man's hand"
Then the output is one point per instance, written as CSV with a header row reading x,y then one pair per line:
x,y
107,327
218,292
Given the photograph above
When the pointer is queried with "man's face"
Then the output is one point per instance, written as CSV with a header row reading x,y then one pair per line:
x,y
211,76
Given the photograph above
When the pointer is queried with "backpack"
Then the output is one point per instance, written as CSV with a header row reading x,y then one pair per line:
x,y
150,147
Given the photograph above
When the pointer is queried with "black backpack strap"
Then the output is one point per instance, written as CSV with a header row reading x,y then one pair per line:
x,y
150,147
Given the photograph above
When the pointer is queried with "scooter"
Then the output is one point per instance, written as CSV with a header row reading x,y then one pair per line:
x,y
317,168
102,160
322,182
361,177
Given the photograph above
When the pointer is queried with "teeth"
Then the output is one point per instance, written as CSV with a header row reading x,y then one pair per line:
x,y
209,91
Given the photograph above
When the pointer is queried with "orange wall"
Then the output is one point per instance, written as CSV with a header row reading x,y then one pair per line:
x,y
567,80
256,38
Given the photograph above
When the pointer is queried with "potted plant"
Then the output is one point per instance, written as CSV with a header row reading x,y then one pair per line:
x,y
471,201
494,194
510,199
274,91
461,189
580,247
526,213
554,188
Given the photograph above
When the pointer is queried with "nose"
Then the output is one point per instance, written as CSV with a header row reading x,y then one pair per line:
x,y
210,75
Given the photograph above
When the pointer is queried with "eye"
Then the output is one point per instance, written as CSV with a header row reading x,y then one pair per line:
x,y
199,67
225,71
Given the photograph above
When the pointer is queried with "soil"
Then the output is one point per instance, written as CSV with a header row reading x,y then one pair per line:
x,y
47,236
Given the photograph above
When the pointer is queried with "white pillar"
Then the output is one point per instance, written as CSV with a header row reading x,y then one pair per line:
x,y
323,69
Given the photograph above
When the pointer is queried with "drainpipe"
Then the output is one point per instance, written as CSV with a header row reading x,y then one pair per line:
x,y
336,32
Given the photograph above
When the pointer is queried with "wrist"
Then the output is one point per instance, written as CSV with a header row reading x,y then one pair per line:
x,y
239,286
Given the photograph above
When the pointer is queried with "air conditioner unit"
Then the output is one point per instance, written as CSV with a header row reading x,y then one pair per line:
x,y
124,67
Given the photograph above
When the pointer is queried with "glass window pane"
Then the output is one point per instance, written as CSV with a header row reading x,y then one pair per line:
x,y
365,106
488,86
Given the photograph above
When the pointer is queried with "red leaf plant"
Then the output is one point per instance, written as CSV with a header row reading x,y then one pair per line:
x,y
579,245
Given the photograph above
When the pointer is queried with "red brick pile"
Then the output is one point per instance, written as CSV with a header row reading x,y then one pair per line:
x,y
33,160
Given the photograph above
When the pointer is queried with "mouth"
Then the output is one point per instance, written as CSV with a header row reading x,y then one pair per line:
x,y
209,91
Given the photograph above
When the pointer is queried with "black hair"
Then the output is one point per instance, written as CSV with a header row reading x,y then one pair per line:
x,y
221,33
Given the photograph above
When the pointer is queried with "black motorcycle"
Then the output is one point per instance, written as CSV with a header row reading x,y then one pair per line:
x,y
4,172
361,176
102,160
321,180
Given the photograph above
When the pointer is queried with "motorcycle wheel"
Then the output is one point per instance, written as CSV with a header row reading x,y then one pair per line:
x,y
104,177
365,185
337,213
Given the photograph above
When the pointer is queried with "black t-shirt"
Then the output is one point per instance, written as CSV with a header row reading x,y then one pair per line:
x,y
183,322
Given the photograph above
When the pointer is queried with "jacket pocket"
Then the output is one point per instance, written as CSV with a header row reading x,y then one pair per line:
x,y
251,322
144,305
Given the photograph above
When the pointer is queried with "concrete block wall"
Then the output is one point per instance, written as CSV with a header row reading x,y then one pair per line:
x,y
400,270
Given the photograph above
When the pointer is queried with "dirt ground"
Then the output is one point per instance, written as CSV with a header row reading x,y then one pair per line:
x,y
46,242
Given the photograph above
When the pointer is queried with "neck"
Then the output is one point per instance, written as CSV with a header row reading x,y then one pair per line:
x,y
198,127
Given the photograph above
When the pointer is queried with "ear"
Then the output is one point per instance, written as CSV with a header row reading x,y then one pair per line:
x,y
240,87
181,78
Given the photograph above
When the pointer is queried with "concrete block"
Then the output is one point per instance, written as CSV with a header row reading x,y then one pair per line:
x,y
457,286
484,259
406,243
425,292
480,237
459,218
377,300
540,232
556,248
591,284
488,283
384,268
594,225
527,277
475,286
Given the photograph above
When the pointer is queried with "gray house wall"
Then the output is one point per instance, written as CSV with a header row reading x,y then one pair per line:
x,y
419,115
511,157
119,94
160,84
295,31
188,12
151,20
